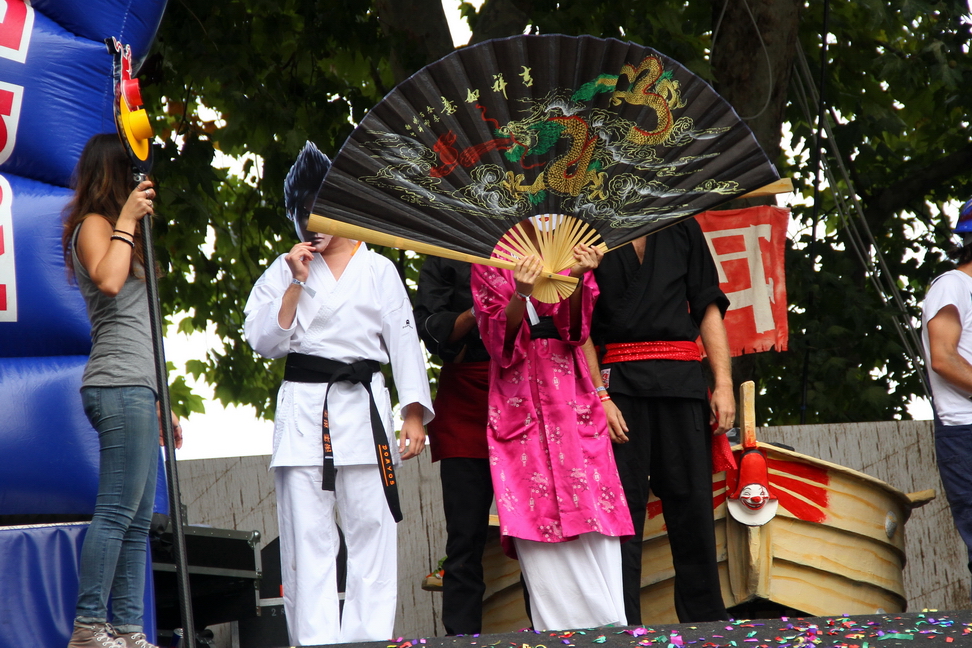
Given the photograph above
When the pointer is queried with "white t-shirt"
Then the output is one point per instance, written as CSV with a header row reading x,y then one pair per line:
x,y
952,404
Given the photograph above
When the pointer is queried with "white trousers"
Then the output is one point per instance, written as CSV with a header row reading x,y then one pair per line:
x,y
308,553
575,584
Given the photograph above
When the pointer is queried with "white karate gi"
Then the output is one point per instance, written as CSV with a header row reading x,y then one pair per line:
x,y
365,315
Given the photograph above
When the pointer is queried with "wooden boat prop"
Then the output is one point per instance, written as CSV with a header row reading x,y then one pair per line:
x,y
834,544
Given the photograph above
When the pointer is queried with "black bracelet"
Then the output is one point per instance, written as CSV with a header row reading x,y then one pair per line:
x,y
124,232
122,238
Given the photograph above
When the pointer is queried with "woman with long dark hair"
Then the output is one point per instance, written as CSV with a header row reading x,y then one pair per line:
x,y
103,252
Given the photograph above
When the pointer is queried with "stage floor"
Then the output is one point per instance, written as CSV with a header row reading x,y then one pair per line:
x,y
910,630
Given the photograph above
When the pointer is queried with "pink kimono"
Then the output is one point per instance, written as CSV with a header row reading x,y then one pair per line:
x,y
550,453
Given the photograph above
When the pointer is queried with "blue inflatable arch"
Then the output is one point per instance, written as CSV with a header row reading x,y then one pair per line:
x,y
55,93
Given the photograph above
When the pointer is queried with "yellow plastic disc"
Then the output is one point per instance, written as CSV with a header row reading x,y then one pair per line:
x,y
138,130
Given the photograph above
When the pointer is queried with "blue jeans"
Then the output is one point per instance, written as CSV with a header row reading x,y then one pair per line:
x,y
953,451
114,552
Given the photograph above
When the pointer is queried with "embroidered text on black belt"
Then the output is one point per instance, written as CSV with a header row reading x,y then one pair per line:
x,y
313,369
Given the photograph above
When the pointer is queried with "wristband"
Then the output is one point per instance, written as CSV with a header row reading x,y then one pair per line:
x,y
298,282
521,296
604,398
123,239
602,388
118,231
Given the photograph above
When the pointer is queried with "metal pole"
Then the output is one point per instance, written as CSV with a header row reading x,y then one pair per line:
x,y
171,470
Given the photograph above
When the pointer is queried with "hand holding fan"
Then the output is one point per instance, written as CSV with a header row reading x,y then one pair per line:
x,y
609,140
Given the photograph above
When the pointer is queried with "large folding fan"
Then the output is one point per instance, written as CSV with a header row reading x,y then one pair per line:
x,y
612,140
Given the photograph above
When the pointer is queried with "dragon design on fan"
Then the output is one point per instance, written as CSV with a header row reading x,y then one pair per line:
x,y
597,140
614,137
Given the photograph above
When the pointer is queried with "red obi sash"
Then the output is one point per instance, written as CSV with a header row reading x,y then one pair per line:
x,y
722,457
633,351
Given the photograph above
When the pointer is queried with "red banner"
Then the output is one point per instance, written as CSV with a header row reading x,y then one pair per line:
x,y
748,247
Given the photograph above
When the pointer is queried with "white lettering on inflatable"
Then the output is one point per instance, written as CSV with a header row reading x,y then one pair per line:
x,y
8,270
11,97
760,293
16,24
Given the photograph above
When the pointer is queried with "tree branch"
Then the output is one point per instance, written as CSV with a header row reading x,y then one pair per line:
x,y
918,181
501,18
418,31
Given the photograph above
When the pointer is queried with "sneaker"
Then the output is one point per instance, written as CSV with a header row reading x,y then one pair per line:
x,y
94,635
135,640
433,582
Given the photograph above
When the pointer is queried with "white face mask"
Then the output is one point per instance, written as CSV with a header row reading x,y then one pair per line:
x,y
305,235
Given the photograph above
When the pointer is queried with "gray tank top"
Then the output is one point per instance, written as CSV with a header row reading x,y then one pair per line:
x,y
121,336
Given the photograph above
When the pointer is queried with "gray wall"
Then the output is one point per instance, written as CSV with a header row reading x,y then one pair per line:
x,y
237,493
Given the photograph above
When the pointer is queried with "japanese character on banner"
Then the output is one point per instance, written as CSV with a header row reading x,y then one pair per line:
x,y
748,247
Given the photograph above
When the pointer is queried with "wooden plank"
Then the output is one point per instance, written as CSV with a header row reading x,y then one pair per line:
x,y
504,611
421,543
828,550
230,493
797,585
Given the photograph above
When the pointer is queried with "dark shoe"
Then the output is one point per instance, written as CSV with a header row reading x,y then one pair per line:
x,y
94,635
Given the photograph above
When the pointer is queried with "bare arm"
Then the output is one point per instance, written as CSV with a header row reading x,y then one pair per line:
x,y
944,332
298,259
616,425
723,401
525,275
412,431
464,323
107,260
586,259
176,427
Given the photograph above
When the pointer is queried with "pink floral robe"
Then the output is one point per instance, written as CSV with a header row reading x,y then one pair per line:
x,y
550,453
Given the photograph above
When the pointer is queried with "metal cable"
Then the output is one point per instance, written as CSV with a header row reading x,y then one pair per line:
x,y
860,237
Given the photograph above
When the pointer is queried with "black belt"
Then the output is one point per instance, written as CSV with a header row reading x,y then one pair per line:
x,y
313,369
544,329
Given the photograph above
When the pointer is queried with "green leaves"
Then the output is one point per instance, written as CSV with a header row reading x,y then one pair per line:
x,y
257,78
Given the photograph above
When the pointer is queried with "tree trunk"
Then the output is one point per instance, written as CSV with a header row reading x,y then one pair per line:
x,y
746,33
418,31
756,87
501,18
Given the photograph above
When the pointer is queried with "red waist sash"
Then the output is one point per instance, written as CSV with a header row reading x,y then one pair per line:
x,y
634,351
461,408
